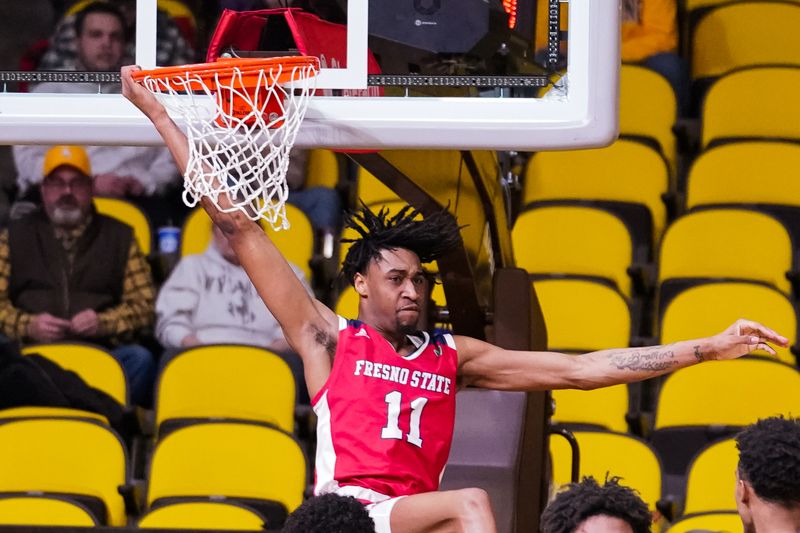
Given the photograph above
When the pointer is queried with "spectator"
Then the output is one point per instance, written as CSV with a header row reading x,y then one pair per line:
x,y
145,175
588,507
650,37
768,477
172,47
208,299
69,273
330,513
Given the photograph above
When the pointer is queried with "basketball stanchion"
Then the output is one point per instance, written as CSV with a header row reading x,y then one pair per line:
x,y
241,118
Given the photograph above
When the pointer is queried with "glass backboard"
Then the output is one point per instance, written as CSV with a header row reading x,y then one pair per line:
x,y
464,74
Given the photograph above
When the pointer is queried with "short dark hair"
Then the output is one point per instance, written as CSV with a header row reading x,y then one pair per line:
x,y
99,7
429,237
587,499
330,513
769,459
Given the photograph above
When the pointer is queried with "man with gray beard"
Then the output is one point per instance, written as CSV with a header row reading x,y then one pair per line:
x,y
69,273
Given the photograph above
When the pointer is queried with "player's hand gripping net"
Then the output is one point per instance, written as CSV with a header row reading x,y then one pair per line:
x,y
241,118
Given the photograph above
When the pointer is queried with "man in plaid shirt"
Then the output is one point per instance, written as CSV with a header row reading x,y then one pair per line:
x,y
69,273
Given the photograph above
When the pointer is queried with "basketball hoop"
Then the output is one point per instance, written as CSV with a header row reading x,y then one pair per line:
x,y
242,118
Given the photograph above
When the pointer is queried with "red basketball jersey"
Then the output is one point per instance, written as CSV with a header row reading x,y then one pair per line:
x,y
385,421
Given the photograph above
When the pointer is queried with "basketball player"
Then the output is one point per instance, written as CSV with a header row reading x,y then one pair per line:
x,y
384,393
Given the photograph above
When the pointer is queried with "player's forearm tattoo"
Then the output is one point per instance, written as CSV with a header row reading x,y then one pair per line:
x,y
655,359
698,354
325,339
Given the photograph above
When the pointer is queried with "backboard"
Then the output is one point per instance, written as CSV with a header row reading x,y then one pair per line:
x,y
462,74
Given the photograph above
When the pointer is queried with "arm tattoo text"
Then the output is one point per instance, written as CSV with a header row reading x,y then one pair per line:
x,y
654,360
698,354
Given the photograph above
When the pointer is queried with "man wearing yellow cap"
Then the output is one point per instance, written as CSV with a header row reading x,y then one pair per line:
x,y
69,273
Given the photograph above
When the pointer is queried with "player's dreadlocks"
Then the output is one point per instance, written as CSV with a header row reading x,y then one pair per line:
x,y
429,238
769,458
587,499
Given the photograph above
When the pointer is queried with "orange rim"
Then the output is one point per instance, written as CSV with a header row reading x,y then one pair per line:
x,y
226,68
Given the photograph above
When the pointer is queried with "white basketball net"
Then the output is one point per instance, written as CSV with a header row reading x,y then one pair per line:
x,y
239,162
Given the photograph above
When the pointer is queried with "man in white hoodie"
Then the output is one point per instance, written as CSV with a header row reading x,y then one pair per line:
x,y
208,299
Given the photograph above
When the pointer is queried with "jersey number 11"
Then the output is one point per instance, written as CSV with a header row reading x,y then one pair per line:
x,y
392,429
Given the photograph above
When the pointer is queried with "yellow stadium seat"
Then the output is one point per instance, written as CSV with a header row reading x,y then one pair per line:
x,y
720,522
628,172
223,461
712,477
693,11
80,458
647,108
323,169
753,103
93,364
754,172
225,381
130,214
18,413
610,454
296,243
723,393
733,36
707,309
584,316
228,516
727,243
705,402
574,240
31,510
605,408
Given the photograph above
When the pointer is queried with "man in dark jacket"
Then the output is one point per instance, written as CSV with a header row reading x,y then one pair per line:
x,y
69,273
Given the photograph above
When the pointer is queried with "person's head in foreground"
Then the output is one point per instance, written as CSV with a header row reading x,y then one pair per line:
x,y
384,264
588,507
768,477
330,513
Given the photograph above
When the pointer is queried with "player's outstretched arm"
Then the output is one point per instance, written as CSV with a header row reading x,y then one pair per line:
x,y
486,365
309,327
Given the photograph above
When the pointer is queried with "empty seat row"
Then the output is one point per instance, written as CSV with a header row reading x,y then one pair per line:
x,y
709,244
632,181
692,405
730,35
218,474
